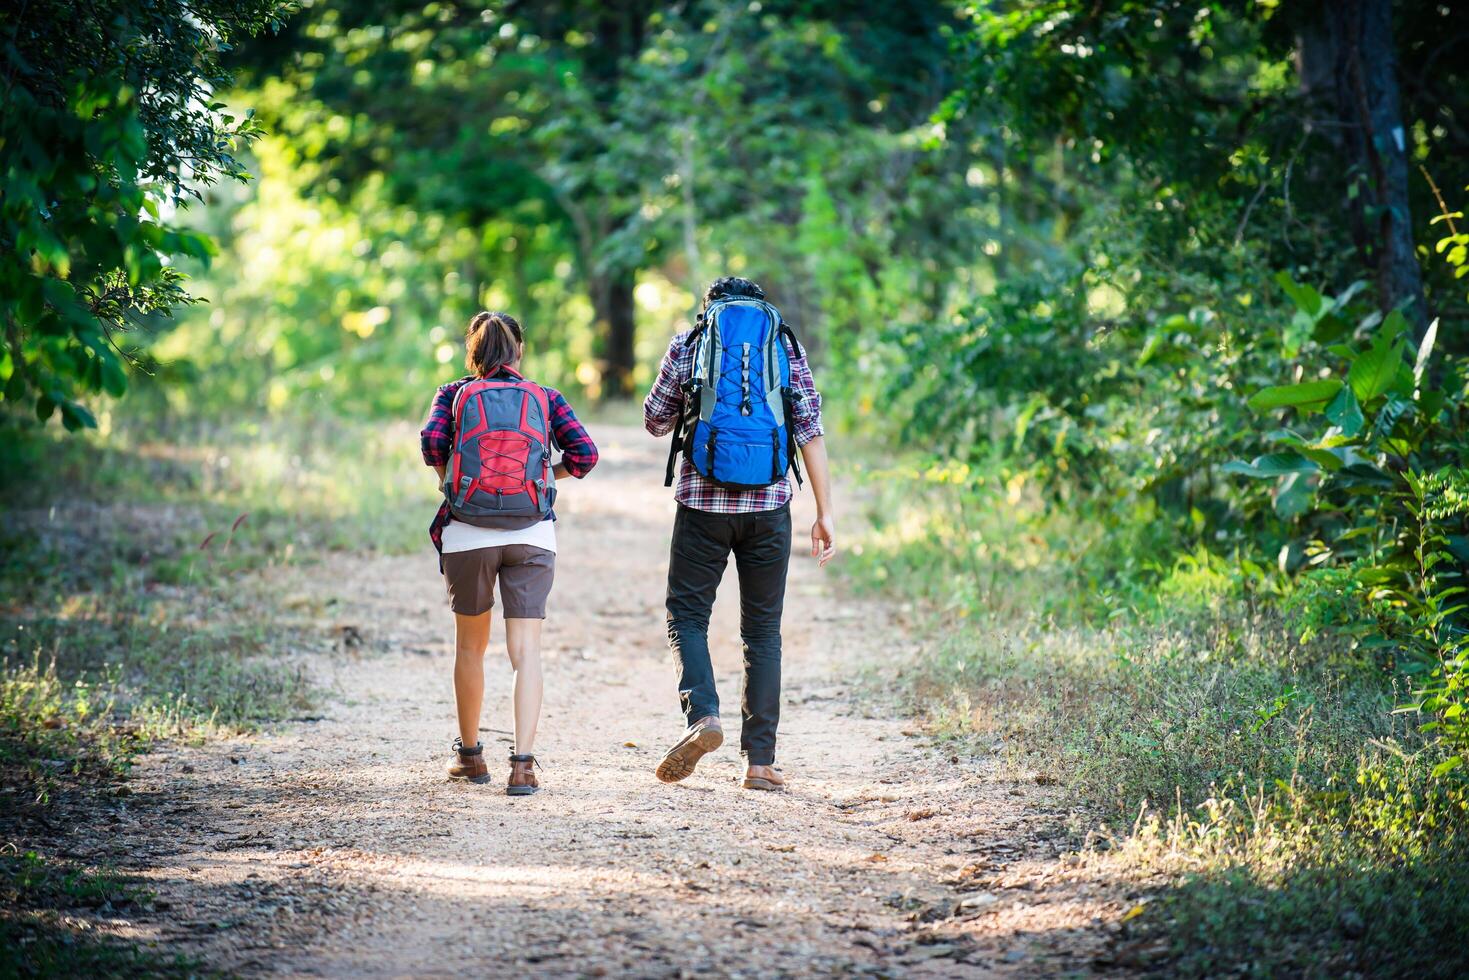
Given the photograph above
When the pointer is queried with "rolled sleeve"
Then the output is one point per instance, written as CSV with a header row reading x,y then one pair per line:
x,y
665,401
578,452
806,410
436,438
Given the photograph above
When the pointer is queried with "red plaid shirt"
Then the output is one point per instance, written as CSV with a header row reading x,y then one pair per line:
x,y
664,403
578,452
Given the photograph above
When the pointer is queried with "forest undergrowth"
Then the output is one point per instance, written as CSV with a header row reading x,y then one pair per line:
x,y
1246,764
140,609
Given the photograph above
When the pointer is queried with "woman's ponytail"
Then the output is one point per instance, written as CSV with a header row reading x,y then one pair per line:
x,y
492,341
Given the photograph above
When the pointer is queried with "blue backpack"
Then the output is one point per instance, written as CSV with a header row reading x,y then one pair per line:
x,y
736,428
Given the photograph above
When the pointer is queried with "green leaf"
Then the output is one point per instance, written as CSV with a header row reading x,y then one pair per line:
x,y
1293,496
1345,412
1447,766
74,417
1304,395
1373,370
1324,458
1329,328
114,381
1394,324
1420,363
1363,475
1271,465
1305,297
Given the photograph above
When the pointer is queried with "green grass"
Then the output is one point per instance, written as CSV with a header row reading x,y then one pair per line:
x,y
188,503
138,569
81,696
1243,759
40,935
102,642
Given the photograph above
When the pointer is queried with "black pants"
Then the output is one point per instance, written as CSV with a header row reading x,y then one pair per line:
x,y
761,543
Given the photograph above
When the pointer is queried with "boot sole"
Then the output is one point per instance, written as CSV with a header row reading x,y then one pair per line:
x,y
680,761
470,779
763,784
520,790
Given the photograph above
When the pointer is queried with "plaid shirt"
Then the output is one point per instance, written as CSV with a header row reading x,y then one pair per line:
x,y
664,403
578,452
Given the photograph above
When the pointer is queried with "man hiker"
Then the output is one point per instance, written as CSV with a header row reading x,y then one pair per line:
x,y
737,395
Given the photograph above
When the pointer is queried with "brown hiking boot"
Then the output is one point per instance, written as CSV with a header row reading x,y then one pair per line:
x,y
699,739
764,777
522,775
469,764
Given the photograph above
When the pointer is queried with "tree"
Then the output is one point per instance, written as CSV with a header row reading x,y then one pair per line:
x,y
109,119
1349,66
630,128
484,115
1289,115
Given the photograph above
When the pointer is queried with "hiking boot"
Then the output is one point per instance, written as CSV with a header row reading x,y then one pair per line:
x,y
699,739
764,777
522,775
469,764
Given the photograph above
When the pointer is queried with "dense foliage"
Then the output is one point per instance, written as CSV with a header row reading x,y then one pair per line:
x,y
1170,192
558,156
110,124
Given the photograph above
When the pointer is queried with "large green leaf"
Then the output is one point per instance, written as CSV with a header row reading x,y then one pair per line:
x,y
1293,496
1305,395
1345,412
1271,465
1372,371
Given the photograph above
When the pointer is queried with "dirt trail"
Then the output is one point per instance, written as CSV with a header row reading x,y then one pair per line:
x,y
334,846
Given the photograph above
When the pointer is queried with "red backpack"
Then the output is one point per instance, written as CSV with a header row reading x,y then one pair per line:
x,y
499,473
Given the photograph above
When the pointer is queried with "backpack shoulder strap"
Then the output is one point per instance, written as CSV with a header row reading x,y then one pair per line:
x,y
708,361
793,451
785,331
458,401
675,446
676,443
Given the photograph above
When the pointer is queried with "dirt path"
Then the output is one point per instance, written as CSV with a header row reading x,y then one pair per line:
x,y
335,846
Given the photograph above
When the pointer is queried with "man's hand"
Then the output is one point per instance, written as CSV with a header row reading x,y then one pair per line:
x,y
824,531
823,540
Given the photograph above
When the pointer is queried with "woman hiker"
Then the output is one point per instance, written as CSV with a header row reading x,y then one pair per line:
x,y
490,436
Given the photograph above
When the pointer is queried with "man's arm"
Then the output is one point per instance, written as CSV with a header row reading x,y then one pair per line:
x,y
665,401
824,531
811,437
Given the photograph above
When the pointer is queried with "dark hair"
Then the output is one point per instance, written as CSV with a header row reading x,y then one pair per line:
x,y
732,286
492,341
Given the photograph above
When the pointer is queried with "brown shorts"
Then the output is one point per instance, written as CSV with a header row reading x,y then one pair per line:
x,y
525,575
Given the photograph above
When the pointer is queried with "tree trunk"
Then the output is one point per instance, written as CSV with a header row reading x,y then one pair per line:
x,y
617,322
1349,64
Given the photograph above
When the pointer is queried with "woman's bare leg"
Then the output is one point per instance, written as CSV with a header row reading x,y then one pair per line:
x,y
523,644
471,636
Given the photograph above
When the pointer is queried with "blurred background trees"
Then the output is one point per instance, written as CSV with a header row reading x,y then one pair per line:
x,y
579,151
